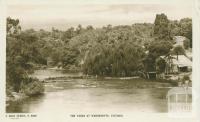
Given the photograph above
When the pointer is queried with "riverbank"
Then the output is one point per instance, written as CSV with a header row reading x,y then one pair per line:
x,y
30,87
62,78
137,83
55,73
125,94
18,97
14,97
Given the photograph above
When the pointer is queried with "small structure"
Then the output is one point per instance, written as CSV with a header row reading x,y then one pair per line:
x,y
180,100
177,64
151,75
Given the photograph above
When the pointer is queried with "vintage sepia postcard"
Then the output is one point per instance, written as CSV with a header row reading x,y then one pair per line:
x,y
95,60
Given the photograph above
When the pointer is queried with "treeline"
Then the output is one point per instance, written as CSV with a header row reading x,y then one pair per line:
x,y
108,51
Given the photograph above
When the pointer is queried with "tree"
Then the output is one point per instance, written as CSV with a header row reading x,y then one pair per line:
x,y
159,48
119,59
69,57
79,29
186,28
156,49
174,28
160,64
67,35
55,33
181,28
21,55
161,29
89,27
12,24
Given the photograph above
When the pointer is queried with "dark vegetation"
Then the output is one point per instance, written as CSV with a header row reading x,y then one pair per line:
x,y
122,50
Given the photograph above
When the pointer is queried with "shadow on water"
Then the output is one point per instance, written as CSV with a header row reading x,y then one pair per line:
x,y
22,106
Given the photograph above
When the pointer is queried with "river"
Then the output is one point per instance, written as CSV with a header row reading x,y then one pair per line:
x,y
94,95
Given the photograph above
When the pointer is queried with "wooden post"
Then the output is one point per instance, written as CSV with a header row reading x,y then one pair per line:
x,y
176,102
186,102
186,98
169,105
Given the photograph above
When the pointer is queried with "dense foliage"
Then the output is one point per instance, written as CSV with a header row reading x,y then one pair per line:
x,y
161,27
31,87
182,28
123,59
108,51
22,54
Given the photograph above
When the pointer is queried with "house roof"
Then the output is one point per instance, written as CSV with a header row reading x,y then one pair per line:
x,y
182,61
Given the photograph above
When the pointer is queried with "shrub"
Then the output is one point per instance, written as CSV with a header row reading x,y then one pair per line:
x,y
186,77
33,87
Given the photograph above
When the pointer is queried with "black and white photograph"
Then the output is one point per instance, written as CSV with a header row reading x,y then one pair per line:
x,y
102,58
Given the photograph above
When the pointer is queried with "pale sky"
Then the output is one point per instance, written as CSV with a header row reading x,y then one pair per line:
x,y
33,14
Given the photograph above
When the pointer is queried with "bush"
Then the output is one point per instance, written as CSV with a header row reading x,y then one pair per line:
x,y
33,87
185,77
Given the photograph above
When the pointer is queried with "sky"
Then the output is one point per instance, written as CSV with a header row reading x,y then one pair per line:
x,y
36,15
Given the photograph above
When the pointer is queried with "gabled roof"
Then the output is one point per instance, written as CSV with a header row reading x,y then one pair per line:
x,y
182,61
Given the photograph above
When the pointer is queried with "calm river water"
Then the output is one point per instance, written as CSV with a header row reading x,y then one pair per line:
x,y
94,95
